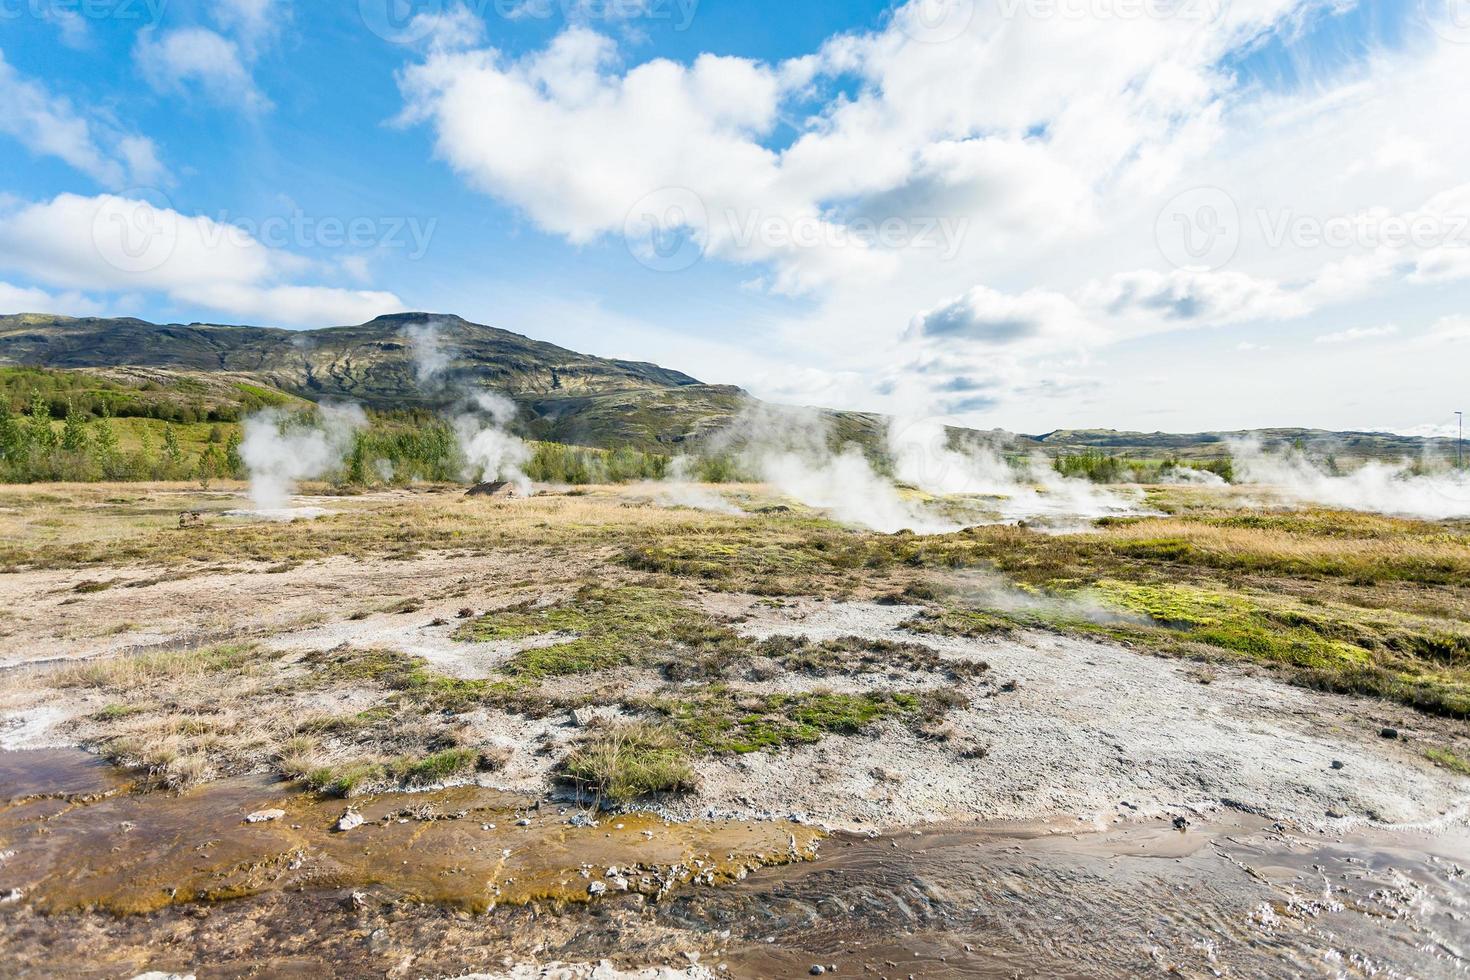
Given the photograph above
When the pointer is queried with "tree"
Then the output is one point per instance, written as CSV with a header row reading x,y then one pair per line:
x,y
210,464
12,439
234,464
74,431
105,450
173,453
39,435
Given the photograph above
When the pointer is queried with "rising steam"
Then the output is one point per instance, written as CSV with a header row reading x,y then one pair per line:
x,y
791,450
279,453
492,454
925,457
430,354
1378,487
678,488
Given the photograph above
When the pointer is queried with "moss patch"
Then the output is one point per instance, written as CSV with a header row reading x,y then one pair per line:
x,y
721,721
607,628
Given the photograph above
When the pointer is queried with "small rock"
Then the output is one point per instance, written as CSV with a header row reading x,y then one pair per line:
x,y
1336,814
11,897
817,970
523,822
1181,824
580,819
465,613
596,888
1337,763
582,717
1389,733
265,816
350,820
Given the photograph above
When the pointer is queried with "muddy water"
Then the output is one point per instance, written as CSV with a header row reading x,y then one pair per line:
x,y
109,883
1247,899
76,845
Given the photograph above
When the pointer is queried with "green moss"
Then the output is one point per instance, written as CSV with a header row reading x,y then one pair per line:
x,y
607,628
1448,759
1328,646
722,721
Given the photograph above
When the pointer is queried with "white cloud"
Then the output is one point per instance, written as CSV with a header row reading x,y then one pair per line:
x,y
51,125
115,244
1448,330
21,299
253,23
1195,297
1053,141
987,317
1358,333
196,59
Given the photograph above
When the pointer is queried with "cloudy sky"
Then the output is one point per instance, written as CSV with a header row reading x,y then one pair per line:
x,y
1143,214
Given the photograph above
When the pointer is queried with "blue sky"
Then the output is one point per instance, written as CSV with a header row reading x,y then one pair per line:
x,y
944,207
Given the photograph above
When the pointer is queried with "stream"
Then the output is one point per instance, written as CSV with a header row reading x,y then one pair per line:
x,y
96,880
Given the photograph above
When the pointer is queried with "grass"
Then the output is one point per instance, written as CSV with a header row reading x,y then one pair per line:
x,y
131,671
721,720
620,763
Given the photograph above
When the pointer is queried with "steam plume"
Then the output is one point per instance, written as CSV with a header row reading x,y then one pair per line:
x,y
791,449
279,454
1378,487
491,453
924,457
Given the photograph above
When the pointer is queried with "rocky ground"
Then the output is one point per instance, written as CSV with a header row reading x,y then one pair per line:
x,y
473,664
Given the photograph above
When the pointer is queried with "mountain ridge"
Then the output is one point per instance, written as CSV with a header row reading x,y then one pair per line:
x,y
564,395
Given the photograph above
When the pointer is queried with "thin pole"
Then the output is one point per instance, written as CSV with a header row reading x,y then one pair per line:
x,y
1460,445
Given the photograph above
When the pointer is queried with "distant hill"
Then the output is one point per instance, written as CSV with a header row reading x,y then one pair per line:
x,y
563,395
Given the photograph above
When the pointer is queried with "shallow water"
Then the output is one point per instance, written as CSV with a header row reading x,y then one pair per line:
x,y
81,842
425,888
1245,899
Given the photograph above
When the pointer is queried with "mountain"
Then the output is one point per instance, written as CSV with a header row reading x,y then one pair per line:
x,y
563,395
